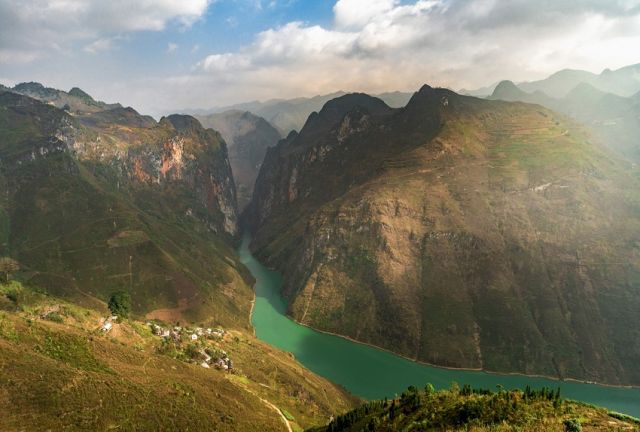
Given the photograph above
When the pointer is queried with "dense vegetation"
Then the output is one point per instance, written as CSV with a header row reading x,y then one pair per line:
x,y
464,409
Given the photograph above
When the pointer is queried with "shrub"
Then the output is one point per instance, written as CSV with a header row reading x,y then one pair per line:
x,y
120,304
572,425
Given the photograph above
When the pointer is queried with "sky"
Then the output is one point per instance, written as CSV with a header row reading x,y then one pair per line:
x,y
161,56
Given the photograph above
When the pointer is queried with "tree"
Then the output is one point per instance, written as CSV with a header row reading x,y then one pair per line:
x,y
120,304
8,266
429,389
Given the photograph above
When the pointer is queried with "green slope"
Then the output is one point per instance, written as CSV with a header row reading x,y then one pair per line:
x,y
469,409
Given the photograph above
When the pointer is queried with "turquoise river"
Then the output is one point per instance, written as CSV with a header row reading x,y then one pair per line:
x,y
373,373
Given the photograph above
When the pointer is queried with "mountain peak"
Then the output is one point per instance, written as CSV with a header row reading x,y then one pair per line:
x,y
182,122
81,94
343,104
334,110
506,90
28,86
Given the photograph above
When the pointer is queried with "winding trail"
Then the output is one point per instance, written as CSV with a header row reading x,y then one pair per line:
x,y
273,407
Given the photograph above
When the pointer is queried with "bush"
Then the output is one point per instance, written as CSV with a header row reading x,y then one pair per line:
x,y
572,425
120,304
55,317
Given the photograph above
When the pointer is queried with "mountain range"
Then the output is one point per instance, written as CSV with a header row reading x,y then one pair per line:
x,y
624,82
498,234
98,199
290,114
457,231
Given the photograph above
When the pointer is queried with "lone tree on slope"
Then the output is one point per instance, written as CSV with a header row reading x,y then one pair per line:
x,y
7,266
120,304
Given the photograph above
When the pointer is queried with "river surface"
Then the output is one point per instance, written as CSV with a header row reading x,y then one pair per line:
x,y
373,373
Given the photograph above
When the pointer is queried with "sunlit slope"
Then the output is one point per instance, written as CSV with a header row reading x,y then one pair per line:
x,y
61,372
458,231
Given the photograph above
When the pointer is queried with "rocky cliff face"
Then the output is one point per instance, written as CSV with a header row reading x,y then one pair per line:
x,y
110,200
248,137
457,231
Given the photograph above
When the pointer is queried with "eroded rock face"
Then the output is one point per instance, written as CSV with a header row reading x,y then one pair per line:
x,y
457,231
175,153
103,201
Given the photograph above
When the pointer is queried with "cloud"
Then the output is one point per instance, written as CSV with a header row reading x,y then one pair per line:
x,y
39,26
354,14
99,45
171,47
379,45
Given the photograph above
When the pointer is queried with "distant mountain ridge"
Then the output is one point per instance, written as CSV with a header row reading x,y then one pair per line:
x,y
614,119
248,137
290,114
624,82
76,99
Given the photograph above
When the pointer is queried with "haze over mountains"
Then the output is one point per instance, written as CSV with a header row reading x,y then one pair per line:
x,y
498,233
291,114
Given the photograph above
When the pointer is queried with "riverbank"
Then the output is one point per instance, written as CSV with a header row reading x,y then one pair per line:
x,y
371,372
452,368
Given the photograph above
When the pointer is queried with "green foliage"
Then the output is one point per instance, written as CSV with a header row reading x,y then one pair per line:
x,y
572,425
69,349
54,317
469,409
7,329
12,290
120,304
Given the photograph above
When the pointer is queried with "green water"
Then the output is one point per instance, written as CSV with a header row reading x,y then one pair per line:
x,y
372,373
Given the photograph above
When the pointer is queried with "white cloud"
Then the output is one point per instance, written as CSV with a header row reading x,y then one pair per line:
x,y
355,14
379,45
171,47
99,45
38,26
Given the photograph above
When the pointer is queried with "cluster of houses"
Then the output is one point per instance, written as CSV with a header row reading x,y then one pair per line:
x,y
176,333
205,357
107,323
218,360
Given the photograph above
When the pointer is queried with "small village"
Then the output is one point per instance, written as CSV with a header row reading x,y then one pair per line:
x,y
190,344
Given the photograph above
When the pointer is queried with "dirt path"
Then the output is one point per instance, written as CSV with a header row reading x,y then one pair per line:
x,y
270,405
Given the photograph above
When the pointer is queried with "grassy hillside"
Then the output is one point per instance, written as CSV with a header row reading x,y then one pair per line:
x,y
468,409
59,371
458,231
